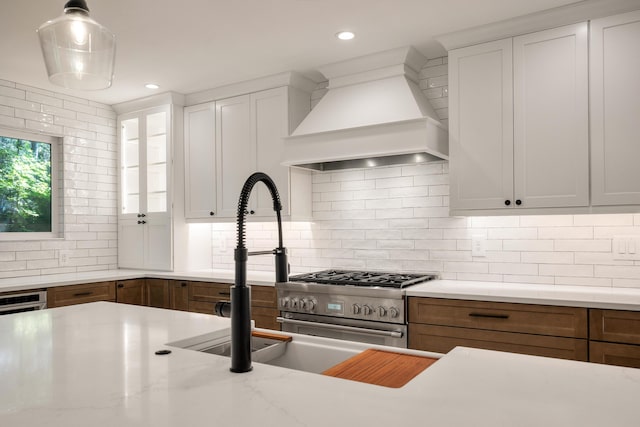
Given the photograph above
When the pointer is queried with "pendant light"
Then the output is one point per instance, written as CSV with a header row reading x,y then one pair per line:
x,y
79,53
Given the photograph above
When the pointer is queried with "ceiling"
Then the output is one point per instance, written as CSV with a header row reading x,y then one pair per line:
x,y
189,46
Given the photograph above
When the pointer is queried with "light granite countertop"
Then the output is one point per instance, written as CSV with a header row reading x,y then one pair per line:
x,y
578,296
94,364
575,296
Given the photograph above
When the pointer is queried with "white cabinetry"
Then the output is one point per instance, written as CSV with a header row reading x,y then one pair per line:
x,y
242,135
200,161
144,221
615,110
519,123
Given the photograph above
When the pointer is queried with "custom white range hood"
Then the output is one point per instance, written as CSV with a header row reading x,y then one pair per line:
x,y
373,114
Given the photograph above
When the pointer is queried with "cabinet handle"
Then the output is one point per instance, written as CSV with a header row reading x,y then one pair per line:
x,y
251,212
518,202
142,222
507,202
120,285
183,284
226,294
82,294
489,316
212,213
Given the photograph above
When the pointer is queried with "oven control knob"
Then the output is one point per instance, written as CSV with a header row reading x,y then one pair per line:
x,y
294,303
355,309
366,310
393,312
284,302
307,304
382,311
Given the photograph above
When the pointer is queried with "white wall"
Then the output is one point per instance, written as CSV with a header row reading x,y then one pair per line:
x,y
396,218
89,153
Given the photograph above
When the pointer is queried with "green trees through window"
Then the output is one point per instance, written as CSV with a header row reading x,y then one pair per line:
x,y
25,185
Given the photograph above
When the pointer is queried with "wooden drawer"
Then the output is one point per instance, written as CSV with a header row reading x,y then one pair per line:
x,y
507,317
614,326
442,339
77,294
264,296
209,292
202,307
614,354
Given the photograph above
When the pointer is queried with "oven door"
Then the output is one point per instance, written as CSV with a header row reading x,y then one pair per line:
x,y
389,334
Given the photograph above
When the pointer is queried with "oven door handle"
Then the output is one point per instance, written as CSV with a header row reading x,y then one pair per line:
x,y
392,334
11,307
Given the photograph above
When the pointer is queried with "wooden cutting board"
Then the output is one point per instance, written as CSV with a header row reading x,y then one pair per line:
x,y
380,367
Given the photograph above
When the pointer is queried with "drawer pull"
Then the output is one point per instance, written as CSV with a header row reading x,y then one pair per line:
x,y
225,293
490,316
82,294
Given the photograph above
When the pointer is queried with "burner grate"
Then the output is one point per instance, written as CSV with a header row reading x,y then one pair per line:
x,y
362,278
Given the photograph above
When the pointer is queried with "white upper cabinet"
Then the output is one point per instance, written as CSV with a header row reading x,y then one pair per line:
x,y
551,118
615,110
200,160
227,141
144,221
481,125
519,122
236,154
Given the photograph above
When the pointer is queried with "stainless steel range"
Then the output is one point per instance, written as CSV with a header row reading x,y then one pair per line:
x,y
363,306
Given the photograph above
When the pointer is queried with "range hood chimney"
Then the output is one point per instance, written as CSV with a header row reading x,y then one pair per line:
x,y
373,114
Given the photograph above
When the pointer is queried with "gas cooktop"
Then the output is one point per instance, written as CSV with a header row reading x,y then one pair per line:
x,y
363,278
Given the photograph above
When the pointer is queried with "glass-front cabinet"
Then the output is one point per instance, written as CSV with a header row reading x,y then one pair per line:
x,y
144,223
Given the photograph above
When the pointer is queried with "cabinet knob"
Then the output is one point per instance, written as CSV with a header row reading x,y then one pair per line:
x,y
212,213
507,202
142,222
251,212
518,202
120,285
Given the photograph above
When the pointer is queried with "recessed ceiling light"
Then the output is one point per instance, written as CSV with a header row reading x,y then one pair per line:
x,y
152,86
345,35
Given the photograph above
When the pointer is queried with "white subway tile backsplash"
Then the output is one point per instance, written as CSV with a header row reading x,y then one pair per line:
x,y
89,212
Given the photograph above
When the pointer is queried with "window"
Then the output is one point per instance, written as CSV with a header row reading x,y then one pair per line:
x,y
28,186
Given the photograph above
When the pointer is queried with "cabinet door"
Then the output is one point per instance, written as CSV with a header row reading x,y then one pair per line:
x,y
200,161
235,151
551,118
158,293
615,110
131,244
481,126
179,295
270,124
157,158
131,292
158,242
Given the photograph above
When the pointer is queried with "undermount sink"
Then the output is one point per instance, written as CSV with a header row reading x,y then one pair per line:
x,y
264,348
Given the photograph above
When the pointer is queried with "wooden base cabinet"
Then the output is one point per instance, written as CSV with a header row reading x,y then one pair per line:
x,y
614,337
264,307
179,295
439,325
131,292
203,297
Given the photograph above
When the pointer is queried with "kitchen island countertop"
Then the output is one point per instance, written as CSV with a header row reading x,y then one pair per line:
x,y
94,364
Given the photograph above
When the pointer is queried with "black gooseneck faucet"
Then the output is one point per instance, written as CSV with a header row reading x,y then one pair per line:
x,y
240,292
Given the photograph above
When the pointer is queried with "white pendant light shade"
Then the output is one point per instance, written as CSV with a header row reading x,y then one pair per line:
x,y
78,52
